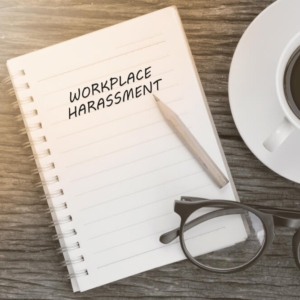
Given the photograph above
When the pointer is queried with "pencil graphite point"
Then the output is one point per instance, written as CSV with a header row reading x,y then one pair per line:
x,y
155,97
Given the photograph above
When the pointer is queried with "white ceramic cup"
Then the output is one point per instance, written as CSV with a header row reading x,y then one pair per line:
x,y
290,121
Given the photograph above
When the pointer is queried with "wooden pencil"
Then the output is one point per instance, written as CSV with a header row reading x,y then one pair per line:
x,y
192,144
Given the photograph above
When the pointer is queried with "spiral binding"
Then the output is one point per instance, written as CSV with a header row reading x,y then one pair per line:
x,y
58,207
44,168
61,221
19,88
43,154
64,235
36,126
71,247
72,261
22,101
7,80
27,115
36,141
48,181
77,274
25,100
55,194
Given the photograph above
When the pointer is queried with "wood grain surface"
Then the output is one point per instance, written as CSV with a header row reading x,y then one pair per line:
x,y
28,259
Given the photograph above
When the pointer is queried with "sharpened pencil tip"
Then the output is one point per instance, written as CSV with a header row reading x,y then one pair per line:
x,y
155,97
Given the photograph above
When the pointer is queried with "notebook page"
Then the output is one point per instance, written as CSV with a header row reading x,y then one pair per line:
x,y
119,163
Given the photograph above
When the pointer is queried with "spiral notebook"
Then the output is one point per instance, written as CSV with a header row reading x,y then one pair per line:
x,y
109,164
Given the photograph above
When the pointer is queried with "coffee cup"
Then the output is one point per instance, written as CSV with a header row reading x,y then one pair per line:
x,y
287,82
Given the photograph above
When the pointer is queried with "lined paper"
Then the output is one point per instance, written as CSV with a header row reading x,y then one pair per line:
x,y
121,167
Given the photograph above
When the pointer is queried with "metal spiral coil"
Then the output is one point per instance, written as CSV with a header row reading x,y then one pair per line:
x,y
45,168
68,248
33,127
36,141
25,100
64,235
42,154
48,181
54,194
61,221
77,274
55,208
19,88
29,114
73,261
7,80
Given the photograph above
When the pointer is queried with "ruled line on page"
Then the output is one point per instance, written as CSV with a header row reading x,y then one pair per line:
x,y
115,120
117,198
137,41
132,146
101,124
126,148
109,74
107,92
101,61
132,225
122,165
150,203
135,240
172,243
106,154
168,87
138,144
129,178
101,140
119,134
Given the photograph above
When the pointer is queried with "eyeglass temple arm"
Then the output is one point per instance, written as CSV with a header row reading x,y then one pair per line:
x,y
170,236
281,217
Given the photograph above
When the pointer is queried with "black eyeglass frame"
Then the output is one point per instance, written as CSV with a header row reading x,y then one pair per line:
x,y
270,217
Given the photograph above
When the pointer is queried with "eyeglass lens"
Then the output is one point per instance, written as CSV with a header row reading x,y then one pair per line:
x,y
223,238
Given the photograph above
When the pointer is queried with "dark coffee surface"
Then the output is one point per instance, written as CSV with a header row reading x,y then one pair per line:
x,y
292,82
295,82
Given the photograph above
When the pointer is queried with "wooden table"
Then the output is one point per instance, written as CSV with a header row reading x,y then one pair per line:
x,y
28,260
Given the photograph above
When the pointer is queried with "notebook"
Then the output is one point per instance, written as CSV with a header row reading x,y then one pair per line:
x,y
110,166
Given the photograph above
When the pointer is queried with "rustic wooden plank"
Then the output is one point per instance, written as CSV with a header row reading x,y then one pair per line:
x,y
28,260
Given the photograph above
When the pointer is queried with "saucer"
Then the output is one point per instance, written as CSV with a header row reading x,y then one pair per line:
x,y
252,93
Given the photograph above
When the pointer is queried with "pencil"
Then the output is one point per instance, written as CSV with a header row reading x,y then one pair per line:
x,y
192,144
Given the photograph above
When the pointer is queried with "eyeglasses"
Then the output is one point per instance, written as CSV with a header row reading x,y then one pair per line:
x,y
225,236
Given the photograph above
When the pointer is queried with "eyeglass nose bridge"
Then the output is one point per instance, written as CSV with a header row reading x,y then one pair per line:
x,y
288,219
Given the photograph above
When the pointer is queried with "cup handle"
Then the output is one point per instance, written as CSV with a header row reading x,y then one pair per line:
x,y
279,135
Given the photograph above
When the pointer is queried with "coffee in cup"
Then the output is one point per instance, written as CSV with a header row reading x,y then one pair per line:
x,y
287,84
292,82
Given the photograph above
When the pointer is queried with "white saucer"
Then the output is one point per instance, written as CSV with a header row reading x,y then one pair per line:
x,y
253,100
